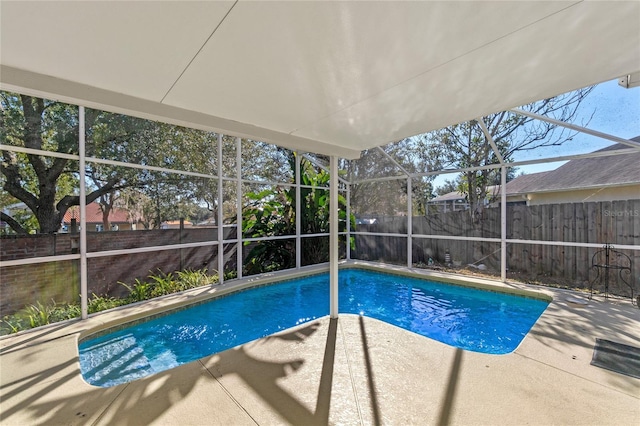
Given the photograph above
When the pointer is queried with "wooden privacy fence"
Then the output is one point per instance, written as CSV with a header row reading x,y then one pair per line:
x,y
614,222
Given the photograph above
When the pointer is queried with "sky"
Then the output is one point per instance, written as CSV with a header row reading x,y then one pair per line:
x,y
616,111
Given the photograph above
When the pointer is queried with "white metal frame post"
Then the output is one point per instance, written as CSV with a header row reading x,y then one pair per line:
x,y
409,223
84,309
298,210
333,238
219,217
503,223
239,245
348,219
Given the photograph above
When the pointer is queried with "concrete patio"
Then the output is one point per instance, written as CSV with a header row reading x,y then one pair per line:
x,y
354,370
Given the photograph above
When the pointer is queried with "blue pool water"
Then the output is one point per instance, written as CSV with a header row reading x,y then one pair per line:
x,y
467,318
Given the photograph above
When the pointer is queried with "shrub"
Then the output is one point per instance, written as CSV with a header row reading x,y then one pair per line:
x,y
195,278
38,314
163,284
102,303
139,292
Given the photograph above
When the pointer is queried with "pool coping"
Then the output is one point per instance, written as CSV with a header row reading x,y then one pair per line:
x,y
122,316
378,271
149,309
404,378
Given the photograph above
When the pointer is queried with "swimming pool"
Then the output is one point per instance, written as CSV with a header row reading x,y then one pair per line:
x,y
464,317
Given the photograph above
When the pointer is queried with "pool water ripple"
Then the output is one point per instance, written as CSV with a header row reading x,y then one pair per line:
x,y
464,317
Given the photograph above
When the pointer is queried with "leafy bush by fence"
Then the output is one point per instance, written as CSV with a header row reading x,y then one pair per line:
x,y
160,284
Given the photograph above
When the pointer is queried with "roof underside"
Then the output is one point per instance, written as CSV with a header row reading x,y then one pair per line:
x,y
327,77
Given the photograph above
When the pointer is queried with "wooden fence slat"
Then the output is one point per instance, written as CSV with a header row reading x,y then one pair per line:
x,y
569,225
581,256
588,222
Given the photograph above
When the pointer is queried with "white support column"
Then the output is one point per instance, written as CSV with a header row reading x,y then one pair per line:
x,y
84,311
348,218
503,223
333,238
239,207
409,223
298,208
220,216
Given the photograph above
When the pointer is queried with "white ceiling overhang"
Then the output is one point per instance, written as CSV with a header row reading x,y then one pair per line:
x,y
327,77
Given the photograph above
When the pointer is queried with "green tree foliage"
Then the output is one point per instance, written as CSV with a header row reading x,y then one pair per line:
x,y
388,197
466,146
48,185
449,185
43,184
153,196
272,212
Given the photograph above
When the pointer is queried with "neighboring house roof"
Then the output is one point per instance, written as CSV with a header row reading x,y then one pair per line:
x,y
583,173
94,214
615,170
449,196
176,223
459,196
526,183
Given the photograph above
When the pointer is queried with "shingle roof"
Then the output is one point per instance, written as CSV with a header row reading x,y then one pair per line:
x,y
492,190
526,183
583,173
94,214
449,196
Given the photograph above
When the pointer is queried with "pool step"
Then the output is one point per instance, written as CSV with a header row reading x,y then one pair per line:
x,y
105,365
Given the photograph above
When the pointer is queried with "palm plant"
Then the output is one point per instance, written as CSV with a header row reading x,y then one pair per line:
x,y
272,212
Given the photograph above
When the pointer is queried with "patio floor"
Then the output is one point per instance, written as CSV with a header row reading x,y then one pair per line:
x,y
354,370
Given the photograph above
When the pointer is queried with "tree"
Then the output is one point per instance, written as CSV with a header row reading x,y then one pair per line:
x,y
48,186
157,196
41,182
272,212
402,159
449,185
466,146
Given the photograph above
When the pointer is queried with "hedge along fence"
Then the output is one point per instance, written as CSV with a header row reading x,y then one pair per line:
x,y
615,222
60,281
